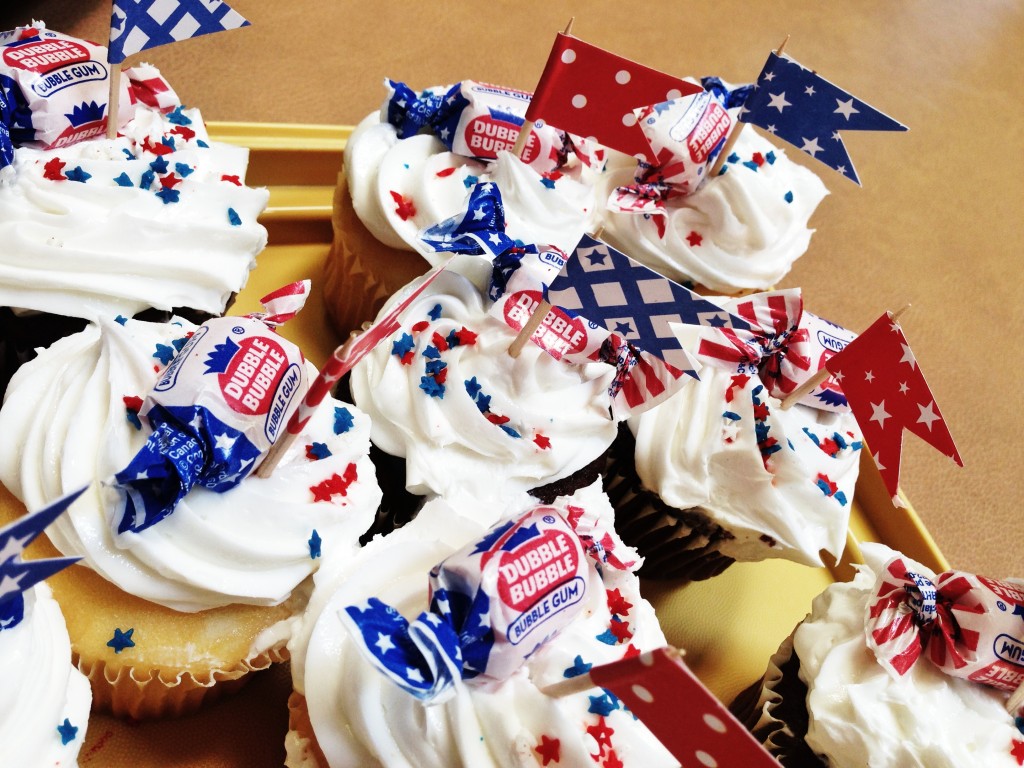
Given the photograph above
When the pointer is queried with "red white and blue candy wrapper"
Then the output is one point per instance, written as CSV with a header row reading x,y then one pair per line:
x,y
492,603
475,120
215,411
57,87
968,626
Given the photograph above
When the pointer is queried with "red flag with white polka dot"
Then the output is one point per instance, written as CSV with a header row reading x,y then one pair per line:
x,y
684,715
887,393
592,93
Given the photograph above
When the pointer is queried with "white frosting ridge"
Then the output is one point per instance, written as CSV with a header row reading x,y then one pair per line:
x,y
98,249
448,443
39,688
861,715
693,456
749,235
362,719
66,426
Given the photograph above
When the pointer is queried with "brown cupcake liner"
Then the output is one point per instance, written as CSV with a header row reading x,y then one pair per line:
x,y
675,544
301,747
774,710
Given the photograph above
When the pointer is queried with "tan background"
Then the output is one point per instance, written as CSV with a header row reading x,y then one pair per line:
x,y
937,224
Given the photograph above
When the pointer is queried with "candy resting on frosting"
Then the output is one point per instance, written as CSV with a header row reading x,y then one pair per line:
x,y
469,418
860,714
40,690
69,420
360,718
157,217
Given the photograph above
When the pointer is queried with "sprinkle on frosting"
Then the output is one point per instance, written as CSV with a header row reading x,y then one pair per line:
x,y
542,441
67,732
334,485
121,639
694,239
604,704
579,667
231,179
343,420
314,545
234,218
124,180
316,451
133,405
549,750
77,174
404,207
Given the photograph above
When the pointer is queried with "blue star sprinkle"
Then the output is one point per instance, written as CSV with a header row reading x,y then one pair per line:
x,y
129,154
168,195
602,705
579,667
133,418
124,181
234,218
608,638
178,116
183,169
146,180
731,415
430,385
317,451
470,181
314,545
473,387
435,312
121,640
67,731
343,420
164,353
431,352
77,174
159,165
549,183
120,319
770,157
788,197
202,144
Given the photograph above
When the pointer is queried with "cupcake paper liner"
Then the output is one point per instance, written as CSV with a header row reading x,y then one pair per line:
x,y
301,748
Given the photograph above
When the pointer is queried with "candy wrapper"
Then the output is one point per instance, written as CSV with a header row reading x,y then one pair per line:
x,y
54,90
215,411
479,120
968,626
686,136
492,603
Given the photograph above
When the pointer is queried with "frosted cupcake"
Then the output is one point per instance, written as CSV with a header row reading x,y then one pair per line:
x,y
345,712
826,700
222,572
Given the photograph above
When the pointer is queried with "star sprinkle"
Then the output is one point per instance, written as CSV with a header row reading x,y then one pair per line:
x,y
542,441
694,239
404,207
579,667
164,353
617,604
602,734
231,180
470,181
147,179
316,451
183,169
602,705
314,545
1017,751
121,640
186,134
343,420
77,174
124,180
168,195
435,312
445,172
402,348
133,405
549,750
620,629
67,732
53,170
233,218
334,485
159,165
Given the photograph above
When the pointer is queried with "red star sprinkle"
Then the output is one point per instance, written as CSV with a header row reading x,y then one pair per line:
x,y
133,403
612,761
694,239
631,651
184,131
659,223
466,337
404,207
407,358
832,487
761,411
440,342
422,325
445,172
1017,751
335,484
156,149
170,181
549,749
27,33
52,170
441,376
620,629
543,442
617,604
739,380
829,446
232,180
496,419
602,735
758,158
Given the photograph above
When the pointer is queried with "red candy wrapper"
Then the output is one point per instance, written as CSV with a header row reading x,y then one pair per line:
x,y
969,626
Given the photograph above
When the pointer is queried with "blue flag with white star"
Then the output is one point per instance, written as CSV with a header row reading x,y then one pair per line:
x,y
607,287
479,230
17,575
136,25
801,107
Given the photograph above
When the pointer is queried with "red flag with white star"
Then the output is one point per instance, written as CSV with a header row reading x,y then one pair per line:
x,y
591,92
888,393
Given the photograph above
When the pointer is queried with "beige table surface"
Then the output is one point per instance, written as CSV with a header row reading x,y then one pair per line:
x,y
938,222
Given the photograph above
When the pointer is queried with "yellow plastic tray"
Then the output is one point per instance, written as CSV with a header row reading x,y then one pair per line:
x,y
729,626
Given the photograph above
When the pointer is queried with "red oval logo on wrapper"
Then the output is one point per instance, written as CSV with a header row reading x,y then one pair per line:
x,y
558,333
251,378
487,136
43,55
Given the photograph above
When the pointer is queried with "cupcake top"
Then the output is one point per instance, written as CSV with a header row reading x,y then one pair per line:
x,y
860,714
157,217
467,417
362,718
44,708
738,231
72,417
780,481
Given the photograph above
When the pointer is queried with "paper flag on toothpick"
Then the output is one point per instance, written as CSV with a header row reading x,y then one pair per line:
x,y
136,25
801,107
592,93
17,575
888,393
678,709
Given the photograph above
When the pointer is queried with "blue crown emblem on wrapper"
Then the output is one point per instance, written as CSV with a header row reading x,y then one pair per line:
x,y
86,112
17,576
221,357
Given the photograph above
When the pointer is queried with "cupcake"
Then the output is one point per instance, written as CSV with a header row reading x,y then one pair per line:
x,y
157,616
455,414
402,176
828,700
721,472
345,712
158,217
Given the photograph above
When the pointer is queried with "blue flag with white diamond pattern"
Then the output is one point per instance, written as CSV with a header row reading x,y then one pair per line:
x,y
136,25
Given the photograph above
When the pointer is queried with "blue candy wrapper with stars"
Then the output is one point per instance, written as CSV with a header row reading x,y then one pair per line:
x,y
215,411
492,604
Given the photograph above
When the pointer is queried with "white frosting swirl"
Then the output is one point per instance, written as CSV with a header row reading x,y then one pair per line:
x,y
861,715
448,443
694,452
362,719
98,249
40,688
435,185
66,425
737,232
